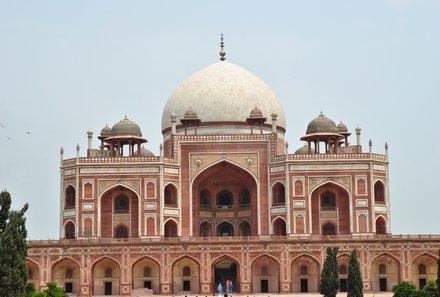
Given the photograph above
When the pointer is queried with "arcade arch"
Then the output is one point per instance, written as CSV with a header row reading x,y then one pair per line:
x,y
185,276
423,268
146,274
223,190
119,206
66,273
265,275
385,273
330,205
106,277
305,274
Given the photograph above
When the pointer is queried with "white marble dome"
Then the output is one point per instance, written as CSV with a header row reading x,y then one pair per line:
x,y
223,92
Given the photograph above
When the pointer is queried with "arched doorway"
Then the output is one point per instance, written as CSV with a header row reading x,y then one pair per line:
x,y
186,276
66,273
385,273
225,229
170,228
225,269
69,230
423,268
224,190
106,277
381,226
205,229
119,207
33,274
279,227
245,229
146,275
330,204
265,275
379,192
305,275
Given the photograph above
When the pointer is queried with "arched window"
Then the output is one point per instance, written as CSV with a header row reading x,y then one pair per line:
x,y
245,229
147,271
303,270
244,198
121,232
68,273
121,204
381,226
342,269
298,188
279,227
225,229
170,228
264,270
69,231
382,269
70,197
205,199
205,229
170,195
329,229
379,192
278,194
225,199
108,272
186,271
328,201
422,269
30,274
150,190
360,186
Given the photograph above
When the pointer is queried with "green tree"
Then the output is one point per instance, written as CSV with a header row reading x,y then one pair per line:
x,y
54,291
438,274
355,285
431,289
13,249
405,289
330,274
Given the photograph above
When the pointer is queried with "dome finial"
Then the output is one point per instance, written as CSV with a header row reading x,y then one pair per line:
x,y
222,45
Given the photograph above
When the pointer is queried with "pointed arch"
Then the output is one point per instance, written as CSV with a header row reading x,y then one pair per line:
x,y
69,197
181,282
142,280
171,228
305,270
384,279
279,226
69,281
205,229
171,193
99,268
224,161
379,191
106,210
265,270
244,228
278,190
343,207
381,225
423,267
69,229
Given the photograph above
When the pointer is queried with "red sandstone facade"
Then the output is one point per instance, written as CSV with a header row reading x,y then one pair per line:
x,y
224,200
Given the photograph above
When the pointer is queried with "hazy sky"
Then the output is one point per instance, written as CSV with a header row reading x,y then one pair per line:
x,y
70,66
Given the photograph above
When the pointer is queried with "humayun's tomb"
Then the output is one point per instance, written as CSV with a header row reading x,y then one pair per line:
x,y
224,200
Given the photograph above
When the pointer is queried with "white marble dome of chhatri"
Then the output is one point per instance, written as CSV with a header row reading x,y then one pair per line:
x,y
223,92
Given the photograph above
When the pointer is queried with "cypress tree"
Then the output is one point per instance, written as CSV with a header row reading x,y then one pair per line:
x,y
438,274
13,249
330,274
355,285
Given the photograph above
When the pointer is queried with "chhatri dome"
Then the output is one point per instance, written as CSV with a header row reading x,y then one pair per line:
x,y
223,92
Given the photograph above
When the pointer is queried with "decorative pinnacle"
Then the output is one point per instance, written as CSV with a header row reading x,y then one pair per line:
x,y
222,51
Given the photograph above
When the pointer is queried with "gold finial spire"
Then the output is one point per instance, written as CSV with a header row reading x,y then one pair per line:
x,y
222,45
